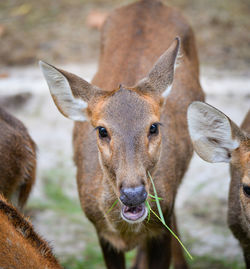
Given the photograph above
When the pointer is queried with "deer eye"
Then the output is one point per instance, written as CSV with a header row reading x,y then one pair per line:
x,y
102,132
246,190
153,130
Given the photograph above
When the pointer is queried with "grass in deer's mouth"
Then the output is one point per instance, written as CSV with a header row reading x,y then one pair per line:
x,y
161,218
155,198
113,205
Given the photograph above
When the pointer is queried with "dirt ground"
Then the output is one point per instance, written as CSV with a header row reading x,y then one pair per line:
x,y
56,31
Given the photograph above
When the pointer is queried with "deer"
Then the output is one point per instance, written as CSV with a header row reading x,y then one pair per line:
x,y
20,246
130,121
216,138
18,159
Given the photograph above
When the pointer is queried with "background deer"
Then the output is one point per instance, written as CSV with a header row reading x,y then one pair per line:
x,y
18,159
20,246
134,129
217,139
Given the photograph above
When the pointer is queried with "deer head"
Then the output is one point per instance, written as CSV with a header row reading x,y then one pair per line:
x,y
217,139
127,125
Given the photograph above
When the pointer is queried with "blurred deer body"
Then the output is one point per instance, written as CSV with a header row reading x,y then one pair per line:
x,y
217,139
20,246
239,194
18,159
140,127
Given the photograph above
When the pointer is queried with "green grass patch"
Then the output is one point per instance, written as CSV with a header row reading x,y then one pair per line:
x,y
59,201
55,184
93,259
205,261
130,256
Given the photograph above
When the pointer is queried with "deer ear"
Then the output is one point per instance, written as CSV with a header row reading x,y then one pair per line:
x,y
213,134
160,78
70,93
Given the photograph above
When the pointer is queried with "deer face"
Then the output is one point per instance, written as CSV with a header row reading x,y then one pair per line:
x,y
127,124
217,139
129,142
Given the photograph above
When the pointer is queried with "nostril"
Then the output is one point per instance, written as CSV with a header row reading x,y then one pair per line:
x,y
142,182
120,186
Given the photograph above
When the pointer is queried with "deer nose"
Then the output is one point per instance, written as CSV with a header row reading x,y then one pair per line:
x,y
133,196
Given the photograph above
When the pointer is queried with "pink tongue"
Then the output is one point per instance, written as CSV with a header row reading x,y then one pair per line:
x,y
134,212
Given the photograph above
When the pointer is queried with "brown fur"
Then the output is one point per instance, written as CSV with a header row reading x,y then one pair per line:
x,y
132,39
239,204
18,159
20,246
217,139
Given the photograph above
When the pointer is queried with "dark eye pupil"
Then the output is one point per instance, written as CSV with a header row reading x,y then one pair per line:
x,y
153,129
103,132
246,190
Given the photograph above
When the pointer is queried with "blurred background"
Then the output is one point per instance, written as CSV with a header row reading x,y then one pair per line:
x,y
67,33
62,31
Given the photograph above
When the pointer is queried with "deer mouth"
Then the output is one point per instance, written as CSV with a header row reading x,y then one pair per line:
x,y
134,214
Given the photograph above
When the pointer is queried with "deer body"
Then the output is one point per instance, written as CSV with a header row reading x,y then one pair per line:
x,y
135,36
138,128
217,139
20,246
18,159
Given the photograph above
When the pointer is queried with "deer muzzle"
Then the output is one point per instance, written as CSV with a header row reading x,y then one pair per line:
x,y
133,200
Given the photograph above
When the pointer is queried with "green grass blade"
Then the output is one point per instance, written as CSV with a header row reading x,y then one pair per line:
x,y
175,236
152,196
161,218
149,208
113,205
157,200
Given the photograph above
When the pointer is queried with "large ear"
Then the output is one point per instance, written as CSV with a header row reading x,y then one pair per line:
x,y
213,134
70,93
160,78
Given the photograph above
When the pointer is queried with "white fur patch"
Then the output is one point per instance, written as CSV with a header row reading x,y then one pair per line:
x,y
167,91
59,87
177,63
